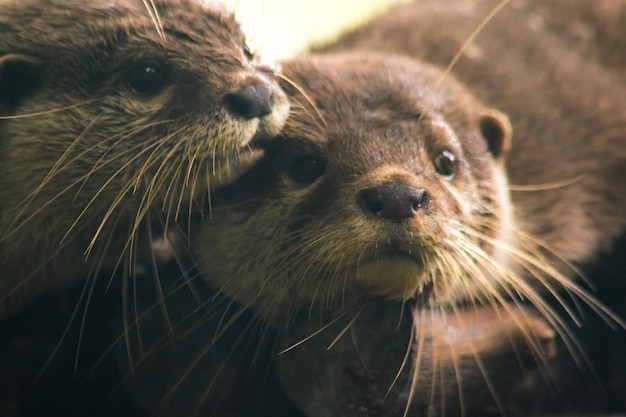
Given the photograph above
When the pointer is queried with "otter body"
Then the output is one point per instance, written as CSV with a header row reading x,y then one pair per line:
x,y
114,120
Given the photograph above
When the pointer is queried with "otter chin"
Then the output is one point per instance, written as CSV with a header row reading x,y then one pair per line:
x,y
387,180
392,274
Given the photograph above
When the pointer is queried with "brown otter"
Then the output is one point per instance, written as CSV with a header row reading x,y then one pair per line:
x,y
342,218
115,119
566,166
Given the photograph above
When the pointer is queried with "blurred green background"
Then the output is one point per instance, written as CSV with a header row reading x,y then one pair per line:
x,y
280,28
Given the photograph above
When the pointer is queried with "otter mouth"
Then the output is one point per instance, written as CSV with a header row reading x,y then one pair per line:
x,y
419,286
248,155
250,149
398,256
397,251
235,165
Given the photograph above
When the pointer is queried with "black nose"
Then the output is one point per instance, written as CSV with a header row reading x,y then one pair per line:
x,y
250,102
394,201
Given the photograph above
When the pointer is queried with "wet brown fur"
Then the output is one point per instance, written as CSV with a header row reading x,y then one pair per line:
x,y
91,170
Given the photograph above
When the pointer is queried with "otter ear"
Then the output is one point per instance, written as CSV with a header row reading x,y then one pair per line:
x,y
20,75
497,131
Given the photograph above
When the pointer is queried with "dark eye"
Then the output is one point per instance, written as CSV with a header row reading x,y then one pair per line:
x,y
147,79
307,169
445,163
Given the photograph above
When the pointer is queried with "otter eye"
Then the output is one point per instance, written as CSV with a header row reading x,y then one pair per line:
x,y
147,79
307,169
445,163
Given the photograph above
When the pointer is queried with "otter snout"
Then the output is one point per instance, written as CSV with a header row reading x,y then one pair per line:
x,y
394,201
250,102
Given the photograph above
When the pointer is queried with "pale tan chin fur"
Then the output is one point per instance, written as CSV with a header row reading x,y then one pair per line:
x,y
395,276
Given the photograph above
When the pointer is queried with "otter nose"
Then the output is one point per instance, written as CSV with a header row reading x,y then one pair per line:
x,y
394,201
250,102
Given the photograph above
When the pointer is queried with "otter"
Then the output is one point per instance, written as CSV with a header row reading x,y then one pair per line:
x,y
115,120
356,203
380,162
568,194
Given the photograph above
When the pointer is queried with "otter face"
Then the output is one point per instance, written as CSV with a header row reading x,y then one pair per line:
x,y
92,82
110,111
384,184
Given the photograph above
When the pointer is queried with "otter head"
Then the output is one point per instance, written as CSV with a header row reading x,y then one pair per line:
x,y
388,181
110,110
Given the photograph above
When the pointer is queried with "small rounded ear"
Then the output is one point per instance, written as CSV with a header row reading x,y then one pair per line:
x,y
496,128
20,75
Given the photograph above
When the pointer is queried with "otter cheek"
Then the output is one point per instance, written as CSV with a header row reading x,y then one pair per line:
x,y
390,275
